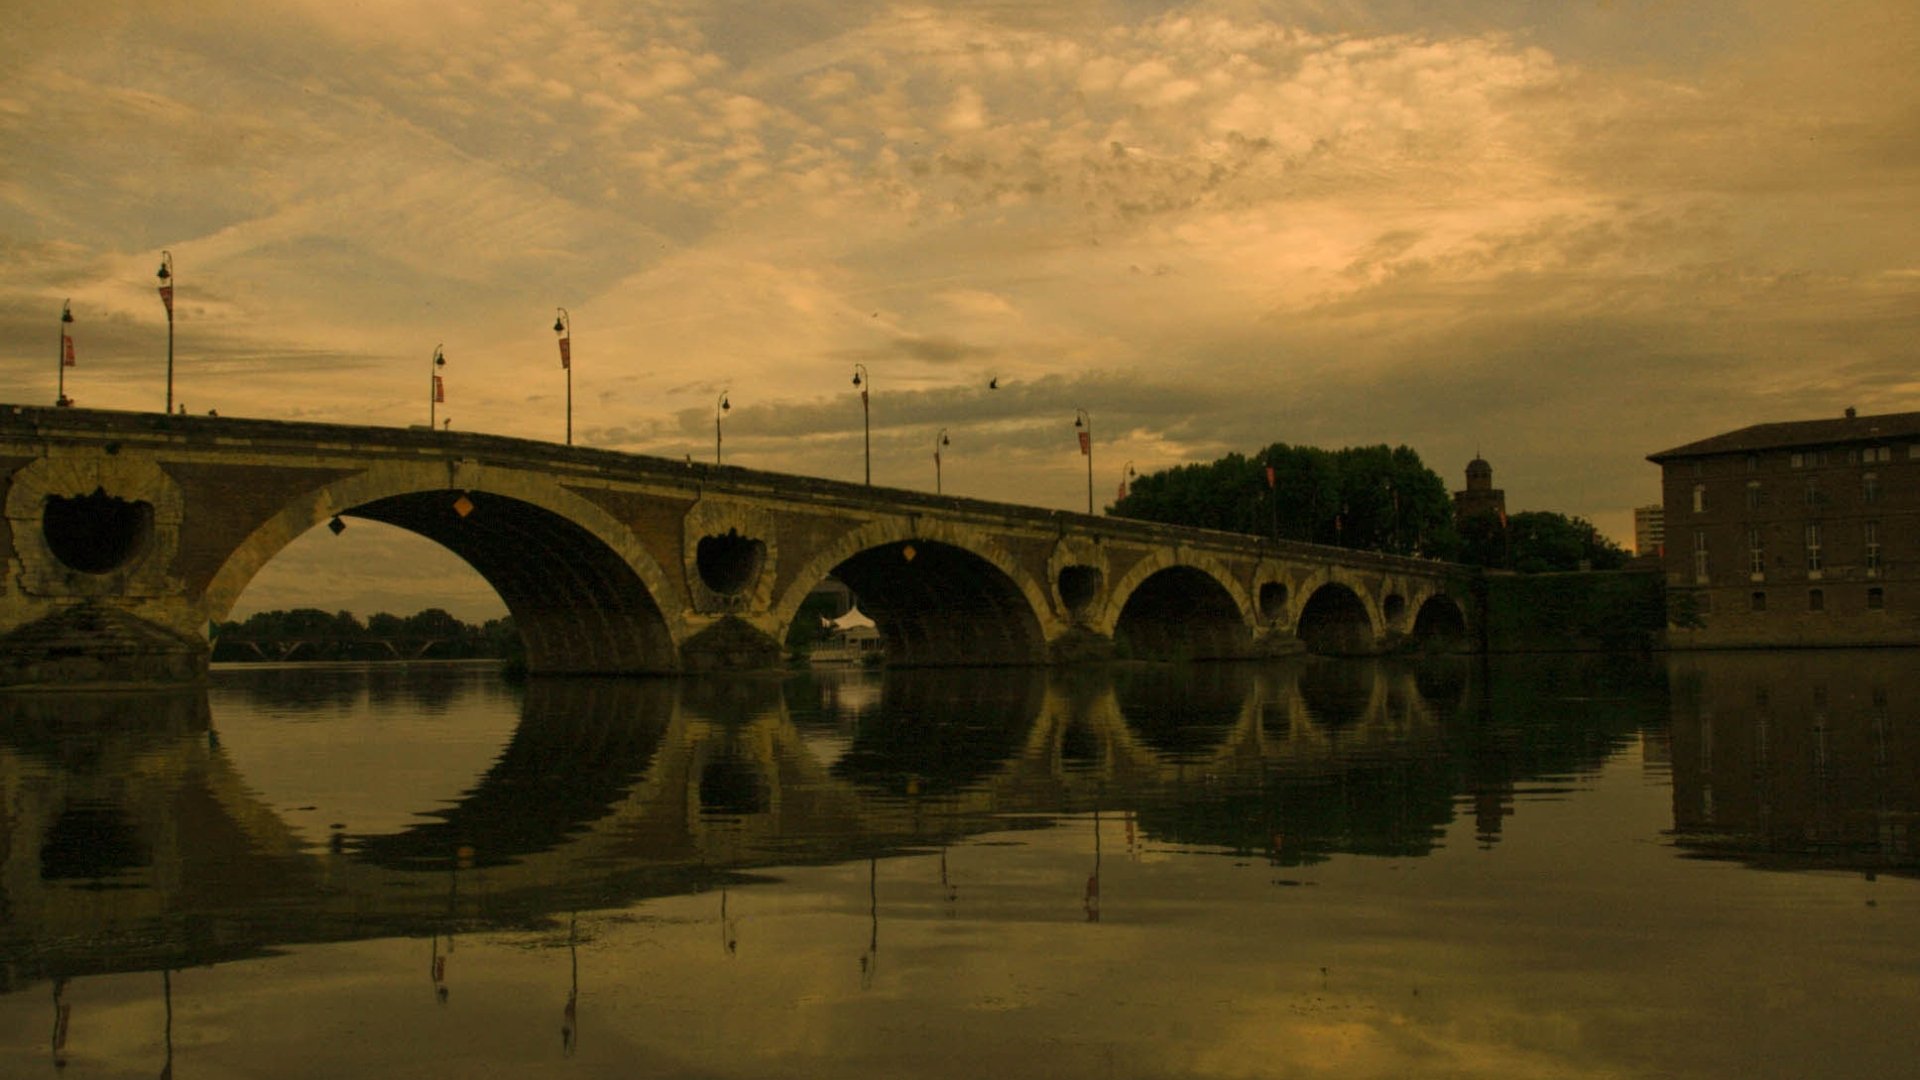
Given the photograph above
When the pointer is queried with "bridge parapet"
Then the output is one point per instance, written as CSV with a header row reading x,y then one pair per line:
x,y
625,563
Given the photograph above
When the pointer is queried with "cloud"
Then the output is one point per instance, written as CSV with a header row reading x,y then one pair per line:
x,y
1213,227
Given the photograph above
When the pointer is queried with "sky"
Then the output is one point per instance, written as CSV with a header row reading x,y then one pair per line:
x,y
1560,235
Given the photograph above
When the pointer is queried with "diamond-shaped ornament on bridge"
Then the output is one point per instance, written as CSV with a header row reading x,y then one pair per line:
x,y
463,505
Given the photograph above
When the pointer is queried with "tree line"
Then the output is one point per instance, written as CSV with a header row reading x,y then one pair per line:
x,y
312,634
1366,498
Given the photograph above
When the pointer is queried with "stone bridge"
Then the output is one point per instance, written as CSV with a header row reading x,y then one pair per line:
x,y
126,534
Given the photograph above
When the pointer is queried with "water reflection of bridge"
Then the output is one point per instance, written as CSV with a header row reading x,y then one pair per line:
x,y
138,846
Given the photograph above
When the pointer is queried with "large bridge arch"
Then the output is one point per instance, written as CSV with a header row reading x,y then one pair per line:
x,y
937,594
1184,605
1337,619
586,597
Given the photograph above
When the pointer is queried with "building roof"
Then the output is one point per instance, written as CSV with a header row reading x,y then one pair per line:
x,y
1798,433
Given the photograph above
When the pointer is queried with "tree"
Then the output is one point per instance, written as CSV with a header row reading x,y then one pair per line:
x,y
1367,497
1541,540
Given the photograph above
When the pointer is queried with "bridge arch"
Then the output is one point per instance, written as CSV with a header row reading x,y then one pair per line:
x,y
936,594
1336,620
1180,605
1440,624
579,586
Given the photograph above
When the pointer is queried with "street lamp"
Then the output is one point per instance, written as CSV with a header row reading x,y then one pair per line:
x,y
937,444
66,352
563,326
1084,421
865,382
166,297
437,390
1125,475
720,408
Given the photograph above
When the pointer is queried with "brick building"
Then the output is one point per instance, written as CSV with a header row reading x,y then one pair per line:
x,y
1798,533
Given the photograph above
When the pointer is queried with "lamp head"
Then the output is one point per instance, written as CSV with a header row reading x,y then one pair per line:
x,y
166,265
66,312
725,405
559,326
856,378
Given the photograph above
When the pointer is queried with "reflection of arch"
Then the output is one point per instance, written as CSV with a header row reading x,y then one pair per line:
x,y
580,747
1335,621
1171,606
1185,713
579,586
935,595
1440,623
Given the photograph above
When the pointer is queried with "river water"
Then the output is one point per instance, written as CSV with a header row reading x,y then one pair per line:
x,y
1686,866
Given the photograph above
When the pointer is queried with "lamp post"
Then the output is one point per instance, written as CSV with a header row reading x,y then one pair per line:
x,y
66,352
865,382
720,409
166,297
436,389
1125,475
1084,421
563,326
937,444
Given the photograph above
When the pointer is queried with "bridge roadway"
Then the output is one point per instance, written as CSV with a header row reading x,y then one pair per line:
x,y
126,534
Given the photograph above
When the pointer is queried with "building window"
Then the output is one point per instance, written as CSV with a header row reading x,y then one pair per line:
x,y
1870,488
1754,498
1877,453
1753,462
1870,534
1853,455
1816,600
1797,460
1876,599
1756,553
1700,556
1759,601
1699,498
1697,468
1814,562
1813,494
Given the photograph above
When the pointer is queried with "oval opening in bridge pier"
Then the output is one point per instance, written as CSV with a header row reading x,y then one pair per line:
x,y
1273,601
97,533
1394,609
1079,587
729,564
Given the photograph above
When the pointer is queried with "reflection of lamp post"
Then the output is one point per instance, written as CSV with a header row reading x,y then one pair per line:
x,y
563,326
1092,902
66,352
166,297
1084,421
865,382
569,1017
870,960
937,444
166,991
720,408
437,390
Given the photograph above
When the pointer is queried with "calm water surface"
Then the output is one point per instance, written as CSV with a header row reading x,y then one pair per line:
x,y
1696,866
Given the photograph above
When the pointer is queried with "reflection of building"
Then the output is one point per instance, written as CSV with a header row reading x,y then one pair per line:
x,y
1649,530
1481,497
1798,759
1796,533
